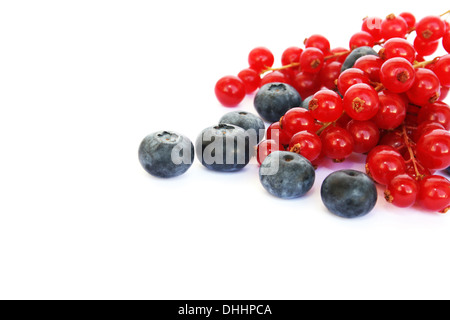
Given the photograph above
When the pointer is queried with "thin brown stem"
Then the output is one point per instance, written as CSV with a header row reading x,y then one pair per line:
x,y
337,54
423,64
291,65
408,144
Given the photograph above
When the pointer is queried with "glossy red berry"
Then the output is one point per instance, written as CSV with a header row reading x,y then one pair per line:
x,y
340,54
442,70
438,112
311,60
306,144
446,41
424,128
306,84
392,111
395,140
274,132
361,39
365,135
251,80
361,102
337,143
402,191
393,27
329,74
425,89
410,19
433,150
397,75
260,58
351,77
326,106
275,76
424,48
398,48
318,41
265,148
371,65
296,120
230,91
384,163
434,193
291,55
430,28
372,25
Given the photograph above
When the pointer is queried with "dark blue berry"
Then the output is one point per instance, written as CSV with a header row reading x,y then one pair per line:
x,y
251,123
305,103
224,147
274,99
286,174
166,154
355,55
448,170
349,193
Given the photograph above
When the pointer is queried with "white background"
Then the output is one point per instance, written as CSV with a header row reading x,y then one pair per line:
x,y
83,82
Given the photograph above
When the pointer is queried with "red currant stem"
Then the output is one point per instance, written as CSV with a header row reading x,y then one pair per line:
x,y
423,64
338,54
379,43
412,156
378,86
325,125
291,65
446,12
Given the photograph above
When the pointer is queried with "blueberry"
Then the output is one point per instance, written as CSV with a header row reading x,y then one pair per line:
x,y
305,103
355,55
249,122
448,170
349,193
166,154
274,99
224,147
286,174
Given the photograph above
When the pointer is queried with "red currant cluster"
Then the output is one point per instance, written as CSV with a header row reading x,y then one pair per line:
x,y
387,105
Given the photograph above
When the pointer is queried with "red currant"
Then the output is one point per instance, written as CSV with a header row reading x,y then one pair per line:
x,y
372,25
397,75
274,132
311,60
384,163
337,143
350,77
395,140
434,193
433,150
230,91
306,84
392,111
438,112
430,28
410,19
398,48
326,106
425,89
365,135
361,102
442,70
402,191
371,65
393,27
251,80
266,147
275,76
291,55
424,128
318,41
306,144
338,54
446,41
296,120
424,48
329,74
260,58
361,39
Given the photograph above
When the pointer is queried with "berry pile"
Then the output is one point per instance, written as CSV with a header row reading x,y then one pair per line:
x,y
380,97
